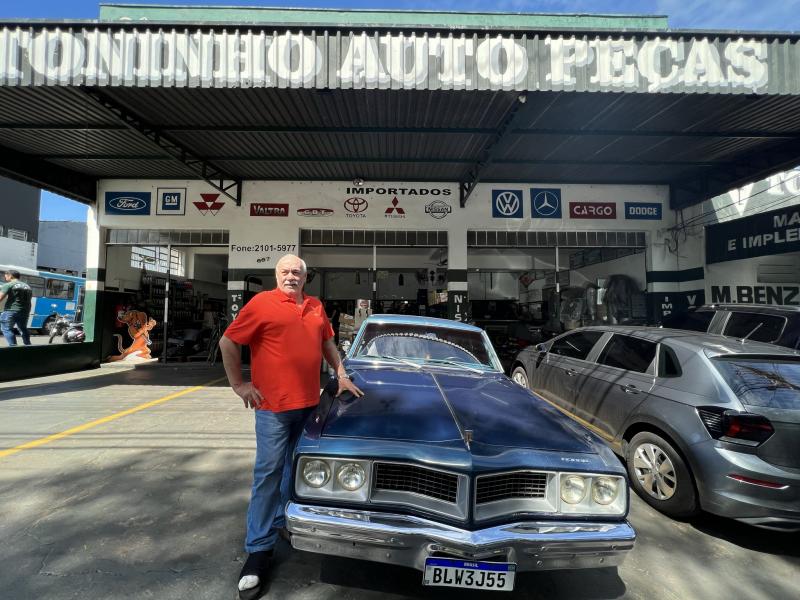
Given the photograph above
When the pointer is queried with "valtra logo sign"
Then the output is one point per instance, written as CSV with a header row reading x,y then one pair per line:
x,y
315,212
209,204
263,209
592,210
356,208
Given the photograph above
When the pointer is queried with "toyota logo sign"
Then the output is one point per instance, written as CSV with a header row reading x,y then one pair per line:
x,y
356,207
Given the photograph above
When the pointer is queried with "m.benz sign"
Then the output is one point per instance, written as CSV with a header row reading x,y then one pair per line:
x,y
153,57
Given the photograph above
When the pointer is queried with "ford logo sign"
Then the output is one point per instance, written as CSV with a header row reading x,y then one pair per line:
x,y
127,203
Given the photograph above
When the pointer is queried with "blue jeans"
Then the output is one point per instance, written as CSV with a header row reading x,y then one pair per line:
x,y
10,318
276,436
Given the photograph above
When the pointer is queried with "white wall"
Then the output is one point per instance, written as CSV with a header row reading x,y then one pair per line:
x,y
17,253
62,245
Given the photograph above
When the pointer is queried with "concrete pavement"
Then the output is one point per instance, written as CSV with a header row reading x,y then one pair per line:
x,y
152,504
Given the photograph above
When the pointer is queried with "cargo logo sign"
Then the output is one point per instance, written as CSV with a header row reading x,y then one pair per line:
x,y
506,204
756,294
171,201
545,203
315,212
263,209
127,203
356,207
643,210
209,204
592,210
438,209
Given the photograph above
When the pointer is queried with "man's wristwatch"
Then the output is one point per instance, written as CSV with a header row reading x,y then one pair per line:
x,y
345,376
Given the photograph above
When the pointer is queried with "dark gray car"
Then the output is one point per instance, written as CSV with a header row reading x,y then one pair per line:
x,y
702,421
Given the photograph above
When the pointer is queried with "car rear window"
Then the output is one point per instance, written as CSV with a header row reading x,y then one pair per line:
x,y
769,383
754,326
576,345
629,353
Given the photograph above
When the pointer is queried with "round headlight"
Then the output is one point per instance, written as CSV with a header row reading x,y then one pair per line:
x,y
316,473
351,476
605,490
573,488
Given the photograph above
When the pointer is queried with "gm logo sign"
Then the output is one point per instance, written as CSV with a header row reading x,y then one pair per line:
x,y
545,203
643,210
171,201
507,204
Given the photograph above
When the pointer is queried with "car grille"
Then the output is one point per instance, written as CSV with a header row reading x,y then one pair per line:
x,y
504,486
416,480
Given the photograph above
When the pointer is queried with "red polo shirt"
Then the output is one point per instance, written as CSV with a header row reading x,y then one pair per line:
x,y
285,340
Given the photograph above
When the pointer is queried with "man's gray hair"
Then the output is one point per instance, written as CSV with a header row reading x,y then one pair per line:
x,y
285,256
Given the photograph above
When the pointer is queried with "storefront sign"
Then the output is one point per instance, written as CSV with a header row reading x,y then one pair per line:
x,y
592,210
643,210
458,307
773,232
756,294
395,211
398,191
545,203
210,204
263,209
507,204
127,203
152,56
171,201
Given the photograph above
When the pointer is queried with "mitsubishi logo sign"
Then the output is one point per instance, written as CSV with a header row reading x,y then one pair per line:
x,y
546,203
507,204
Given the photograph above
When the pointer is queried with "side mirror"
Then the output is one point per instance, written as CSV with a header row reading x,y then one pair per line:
x,y
345,346
541,348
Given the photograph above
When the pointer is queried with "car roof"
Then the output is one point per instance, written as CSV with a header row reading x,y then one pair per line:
x,y
753,308
712,343
421,321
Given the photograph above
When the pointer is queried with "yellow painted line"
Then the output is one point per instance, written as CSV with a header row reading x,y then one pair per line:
x,y
574,417
104,420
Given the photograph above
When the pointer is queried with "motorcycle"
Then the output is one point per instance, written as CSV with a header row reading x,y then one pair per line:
x,y
70,331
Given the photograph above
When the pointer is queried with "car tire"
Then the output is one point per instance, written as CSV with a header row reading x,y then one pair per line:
x,y
672,490
520,377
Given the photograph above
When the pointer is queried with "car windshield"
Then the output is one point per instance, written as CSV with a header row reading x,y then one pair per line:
x,y
422,344
769,383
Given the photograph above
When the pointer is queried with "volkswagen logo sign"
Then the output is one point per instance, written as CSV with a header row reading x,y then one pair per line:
x,y
355,205
546,202
507,204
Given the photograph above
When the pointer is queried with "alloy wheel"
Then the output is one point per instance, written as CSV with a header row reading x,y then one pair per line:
x,y
655,471
518,377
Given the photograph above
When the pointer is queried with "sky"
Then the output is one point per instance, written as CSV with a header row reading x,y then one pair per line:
x,y
764,15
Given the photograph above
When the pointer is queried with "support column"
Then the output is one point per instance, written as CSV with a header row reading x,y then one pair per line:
x,y
93,306
458,305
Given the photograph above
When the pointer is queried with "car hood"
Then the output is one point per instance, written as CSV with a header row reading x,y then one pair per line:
x,y
449,408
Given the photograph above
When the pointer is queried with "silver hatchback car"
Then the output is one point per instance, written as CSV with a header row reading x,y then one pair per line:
x,y
702,421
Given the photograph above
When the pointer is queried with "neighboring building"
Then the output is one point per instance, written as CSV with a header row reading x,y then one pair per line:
x,y
62,247
19,223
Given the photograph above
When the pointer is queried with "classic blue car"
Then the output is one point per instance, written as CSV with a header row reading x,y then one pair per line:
x,y
446,466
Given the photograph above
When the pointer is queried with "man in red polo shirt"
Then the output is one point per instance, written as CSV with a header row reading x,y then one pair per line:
x,y
288,334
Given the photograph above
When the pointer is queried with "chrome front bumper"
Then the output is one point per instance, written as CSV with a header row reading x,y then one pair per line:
x,y
407,541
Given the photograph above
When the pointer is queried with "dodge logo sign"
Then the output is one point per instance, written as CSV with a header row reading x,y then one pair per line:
x,y
546,203
127,203
643,210
314,212
507,204
261,209
592,210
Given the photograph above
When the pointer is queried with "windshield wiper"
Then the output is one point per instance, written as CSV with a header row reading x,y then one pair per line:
x,y
455,363
400,360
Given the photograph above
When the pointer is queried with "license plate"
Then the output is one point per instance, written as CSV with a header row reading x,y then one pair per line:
x,y
449,572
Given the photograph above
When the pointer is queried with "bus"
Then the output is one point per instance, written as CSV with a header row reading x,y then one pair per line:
x,y
53,294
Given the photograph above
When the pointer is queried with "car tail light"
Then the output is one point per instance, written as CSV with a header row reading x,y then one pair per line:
x,y
736,427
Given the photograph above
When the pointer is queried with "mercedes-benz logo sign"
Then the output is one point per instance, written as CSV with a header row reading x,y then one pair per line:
x,y
545,203
355,205
507,203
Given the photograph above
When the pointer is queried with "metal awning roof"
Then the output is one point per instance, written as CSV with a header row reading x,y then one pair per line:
x,y
80,103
